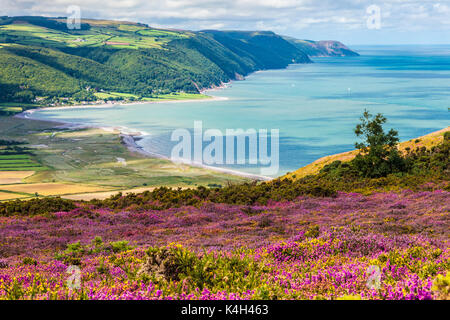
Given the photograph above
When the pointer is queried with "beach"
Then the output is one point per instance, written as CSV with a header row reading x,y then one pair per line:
x,y
129,137
115,104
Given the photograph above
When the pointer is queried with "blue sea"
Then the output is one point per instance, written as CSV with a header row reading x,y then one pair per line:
x,y
314,106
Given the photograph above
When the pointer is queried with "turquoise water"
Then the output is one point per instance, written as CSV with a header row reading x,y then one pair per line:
x,y
315,106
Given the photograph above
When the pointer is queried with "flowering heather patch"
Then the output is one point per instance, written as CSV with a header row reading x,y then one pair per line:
x,y
309,248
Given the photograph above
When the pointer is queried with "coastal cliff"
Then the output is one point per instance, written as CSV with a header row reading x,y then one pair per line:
x,y
43,62
323,48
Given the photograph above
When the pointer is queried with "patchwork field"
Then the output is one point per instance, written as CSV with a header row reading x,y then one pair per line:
x,y
88,158
14,156
11,163
120,35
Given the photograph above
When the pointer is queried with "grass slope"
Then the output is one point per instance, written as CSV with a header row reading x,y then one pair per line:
x,y
427,141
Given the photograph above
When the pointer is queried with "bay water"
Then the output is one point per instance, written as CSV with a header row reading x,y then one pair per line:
x,y
314,106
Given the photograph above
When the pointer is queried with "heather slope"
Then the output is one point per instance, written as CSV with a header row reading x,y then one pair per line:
x,y
310,248
227,226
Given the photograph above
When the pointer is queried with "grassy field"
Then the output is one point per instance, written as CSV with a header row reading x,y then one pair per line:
x,y
114,95
105,194
11,177
15,157
178,96
160,97
11,108
87,158
119,35
12,164
48,189
10,196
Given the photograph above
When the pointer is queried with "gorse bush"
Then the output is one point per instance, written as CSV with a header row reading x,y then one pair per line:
x,y
239,194
441,287
35,206
73,254
215,271
75,251
29,261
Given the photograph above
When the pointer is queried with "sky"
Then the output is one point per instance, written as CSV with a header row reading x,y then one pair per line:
x,y
353,22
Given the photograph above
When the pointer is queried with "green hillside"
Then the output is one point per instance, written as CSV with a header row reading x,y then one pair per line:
x,y
43,61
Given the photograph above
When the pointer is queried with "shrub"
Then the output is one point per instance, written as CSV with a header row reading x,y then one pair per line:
x,y
207,270
313,231
441,287
29,261
34,207
73,254
349,297
119,246
97,244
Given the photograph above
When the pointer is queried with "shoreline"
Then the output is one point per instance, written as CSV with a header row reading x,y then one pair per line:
x,y
119,104
129,140
129,137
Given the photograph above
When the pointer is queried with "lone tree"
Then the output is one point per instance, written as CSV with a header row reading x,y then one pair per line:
x,y
379,155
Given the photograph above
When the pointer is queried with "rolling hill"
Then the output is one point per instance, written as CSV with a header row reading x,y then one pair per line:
x,y
41,60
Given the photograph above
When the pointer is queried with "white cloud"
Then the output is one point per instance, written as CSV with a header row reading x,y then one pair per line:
x,y
315,17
